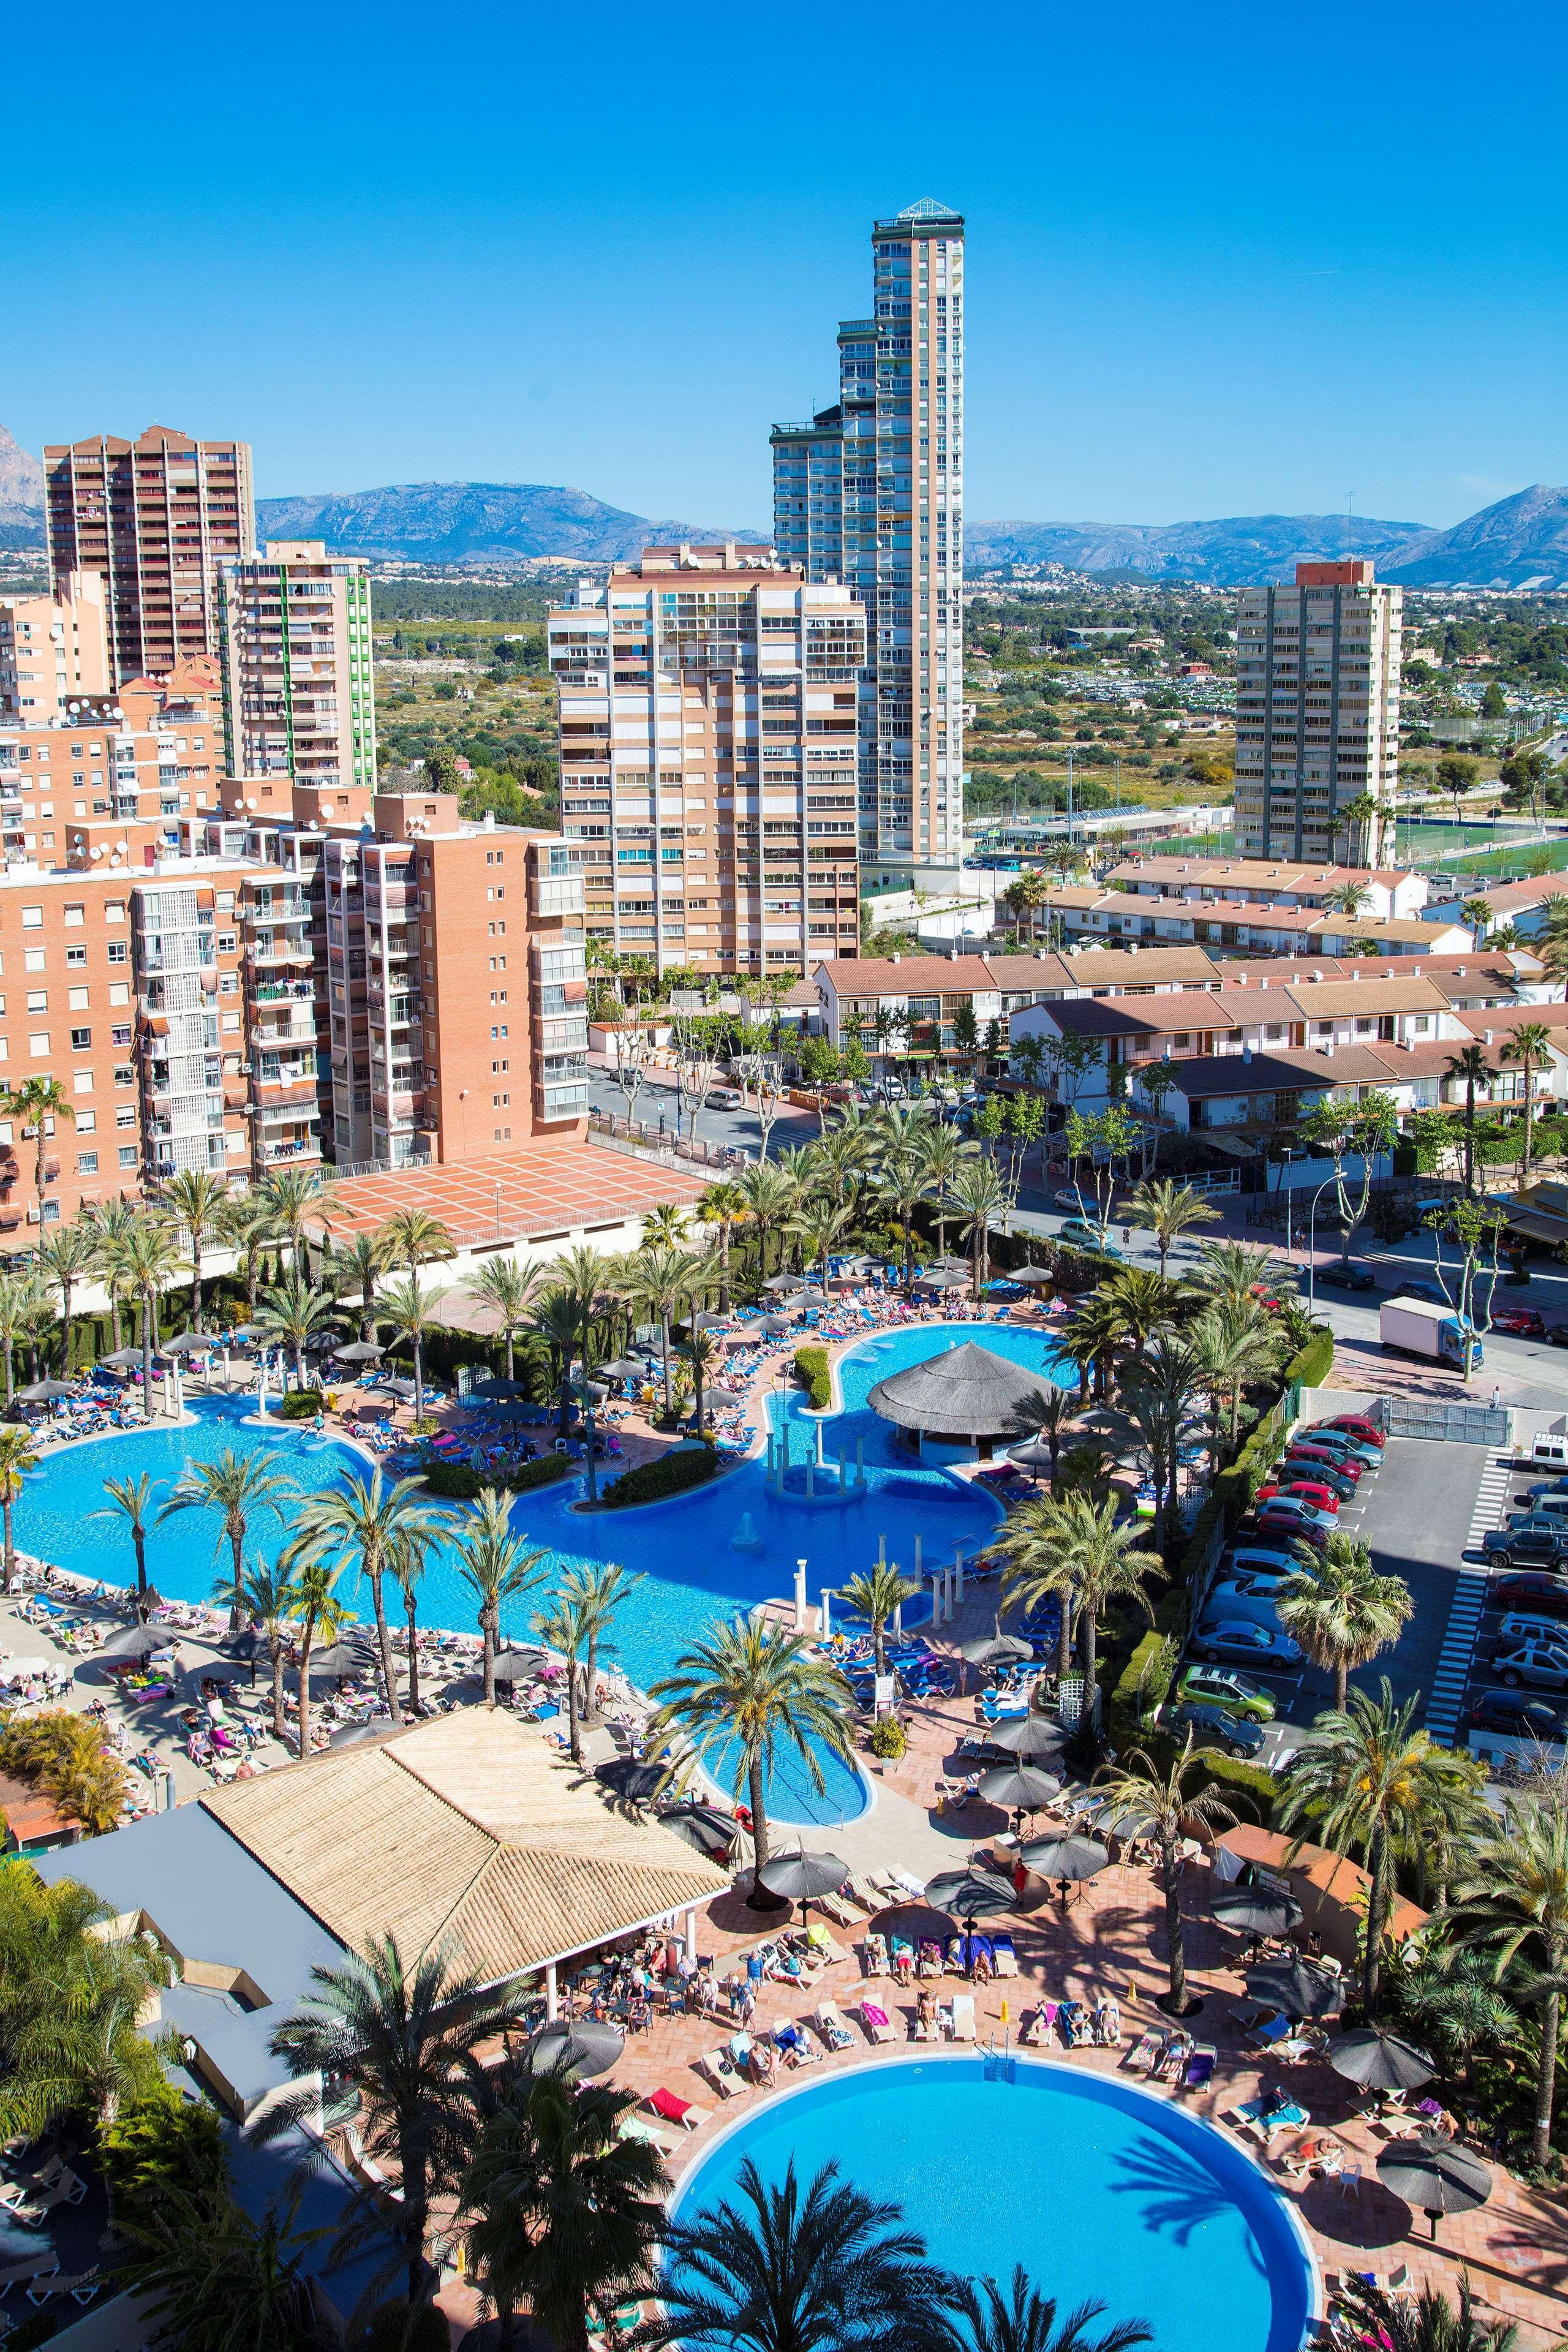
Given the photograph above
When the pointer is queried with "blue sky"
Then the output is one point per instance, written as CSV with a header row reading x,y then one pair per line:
x,y
1223,260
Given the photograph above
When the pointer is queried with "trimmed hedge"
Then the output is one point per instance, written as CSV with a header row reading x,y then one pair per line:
x,y
303,1404
458,1482
811,1369
1312,1368
673,1473
1143,1686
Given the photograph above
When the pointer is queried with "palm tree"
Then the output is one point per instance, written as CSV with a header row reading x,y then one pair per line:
x,y
1157,1391
1531,1047
944,1156
1232,1274
702,1351
292,1314
1552,943
31,1104
586,1276
1364,1778
1342,1610
1351,898
555,1321
18,1455
770,1198
1478,914
1169,1210
757,1689
1144,1301
566,1626
660,1282
193,1198
509,1290
364,1524
666,1221
149,1260
495,1566
361,1260
981,1197
108,1223
829,2270
269,1595
247,1223
70,2000
876,1594
12,1325
215,2277
819,1225
1352,818
132,1498
237,1486
566,2209
1453,1996
902,1180
316,1609
408,1306
63,1260
1428,2324
1470,1069
1234,1342
412,1238
407,1560
290,1195
1512,1899
37,1323
404,2036
1070,1548
1160,1794
1045,1413
723,1207
1026,2321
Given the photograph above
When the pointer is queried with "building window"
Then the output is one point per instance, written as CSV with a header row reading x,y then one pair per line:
x,y
86,1163
128,1155
38,1044
81,1040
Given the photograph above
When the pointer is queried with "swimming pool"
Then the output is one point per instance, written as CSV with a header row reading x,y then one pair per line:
x,y
692,1576
1098,2189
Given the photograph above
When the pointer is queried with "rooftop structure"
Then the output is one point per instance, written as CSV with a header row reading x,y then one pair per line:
x,y
966,1396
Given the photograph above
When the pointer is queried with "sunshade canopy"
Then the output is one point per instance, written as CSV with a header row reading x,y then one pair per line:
x,y
1435,2175
702,1826
496,1385
800,1877
45,1392
1074,1858
358,1351
1030,1735
967,1391
1380,2062
137,1642
970,1894
1022,1786
1259,1910
579,2051
995,1649
514,1666
1299,1991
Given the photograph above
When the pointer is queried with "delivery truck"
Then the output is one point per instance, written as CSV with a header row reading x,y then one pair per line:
x,y
1412,1327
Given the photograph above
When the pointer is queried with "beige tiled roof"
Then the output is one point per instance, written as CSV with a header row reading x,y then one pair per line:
x,y
1331,999
467,1829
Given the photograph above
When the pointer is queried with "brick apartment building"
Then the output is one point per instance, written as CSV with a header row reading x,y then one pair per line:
x,y
708,731
294,643
152,518
53,649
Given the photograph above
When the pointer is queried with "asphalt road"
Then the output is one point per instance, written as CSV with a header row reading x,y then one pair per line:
x,y
737,1130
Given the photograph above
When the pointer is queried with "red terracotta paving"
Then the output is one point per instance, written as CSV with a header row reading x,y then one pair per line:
x,y
549,1188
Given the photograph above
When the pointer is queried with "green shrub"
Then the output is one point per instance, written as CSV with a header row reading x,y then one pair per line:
x,y
1250,1791
811,1371
301,1404
1312,1368
458,1482
1146,1678
673,1473
161,2142
889,1738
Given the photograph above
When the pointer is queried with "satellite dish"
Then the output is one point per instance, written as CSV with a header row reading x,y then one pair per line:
x,y
98,849
123,846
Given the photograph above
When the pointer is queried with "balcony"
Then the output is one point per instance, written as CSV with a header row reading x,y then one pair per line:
x,y
278,953
558,895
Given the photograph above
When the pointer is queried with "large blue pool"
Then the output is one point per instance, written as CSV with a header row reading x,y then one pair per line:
x,y
1098,2189
691,1577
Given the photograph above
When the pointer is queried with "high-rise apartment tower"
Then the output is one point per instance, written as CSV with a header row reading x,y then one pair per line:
x,y
295,646
154,517
1317,714
870,491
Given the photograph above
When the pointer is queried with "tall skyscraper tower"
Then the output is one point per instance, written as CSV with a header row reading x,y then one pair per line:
x,y
294,639
870,491
1317,714
154,518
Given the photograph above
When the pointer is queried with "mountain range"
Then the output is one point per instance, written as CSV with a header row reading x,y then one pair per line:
x,y
1520,541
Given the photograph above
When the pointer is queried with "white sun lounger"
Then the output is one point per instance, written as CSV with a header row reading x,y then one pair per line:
x,y
963,2017
711,2067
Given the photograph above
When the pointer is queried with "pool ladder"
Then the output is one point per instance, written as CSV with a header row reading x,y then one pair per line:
x,y
1001,2066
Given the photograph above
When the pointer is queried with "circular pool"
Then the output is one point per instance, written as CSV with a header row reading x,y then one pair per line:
x,y
1099,2190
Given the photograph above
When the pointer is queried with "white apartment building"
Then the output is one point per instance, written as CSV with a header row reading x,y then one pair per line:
x,y
54,650
1317,712
294,645
710,720
870,491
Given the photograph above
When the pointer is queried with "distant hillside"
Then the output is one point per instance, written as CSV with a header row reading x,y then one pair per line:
x,y
1227,553
1521,542
21,496
447,522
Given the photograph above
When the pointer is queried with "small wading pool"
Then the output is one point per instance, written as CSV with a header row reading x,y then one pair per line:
x,y
1098,2189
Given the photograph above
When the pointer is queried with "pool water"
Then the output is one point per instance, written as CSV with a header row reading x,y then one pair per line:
x,y
1100,2192
691,1576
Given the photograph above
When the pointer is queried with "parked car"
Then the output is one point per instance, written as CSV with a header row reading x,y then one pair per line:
x,y
1557,1335
1212,1727
1236,1596
1522,1322
1535,1589
1515,1548
1370,1432
1542,1665
1340,1481
1548,1486
725,1098
1311,1491
1265,1567
1078,1233
1344,1278
1520,1717
1286,1524
1543,1520
1429,1291
1281,1504
1344,1460
1341,1442
1067,1199
1222,1687
1244,1644
1529,1625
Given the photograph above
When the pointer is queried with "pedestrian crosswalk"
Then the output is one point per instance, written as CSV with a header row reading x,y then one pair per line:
x,y
1446,1699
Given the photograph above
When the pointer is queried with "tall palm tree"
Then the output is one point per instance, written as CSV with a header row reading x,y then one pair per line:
x,y
566,2209
290,1195
407,1560
1023,2320
589,1278
770,1199
1145,1300
1157,1390
555,1319
37,1323
402,2034
69,2001
1342,1610
363,1524
761,1690
1364,1778
32,1104
876,1594
360,1260
108,1223
945,1155
723,1207
1552,943
509,1291
412,1238
1531,1047
495,1566
293,1314
316,1609
18,1455
818,1226
661,1281
1512,1899
565,1625
702,1351
1233,1274
1111,1563
604,1586
237,1487
12,1325
667,1222
1045,1413
215,2277
1234,1343
1160,1794
131,1499
149,1260
1169,1210
901,1178
1470,1069
409,1307
1428,2322
247,1224
192,1199
268,1595
780,2269
1453,1995
980,1197
66,1259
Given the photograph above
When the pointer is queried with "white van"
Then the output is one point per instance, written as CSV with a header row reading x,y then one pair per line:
x,y
1549,1450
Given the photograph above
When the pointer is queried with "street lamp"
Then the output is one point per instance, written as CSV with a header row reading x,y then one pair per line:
x,y
1288,1153
1312,1244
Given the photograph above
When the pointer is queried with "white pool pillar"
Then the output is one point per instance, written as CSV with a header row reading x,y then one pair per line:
x,y
800,1596
826,1626
691,1933
958,1566
552,1993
